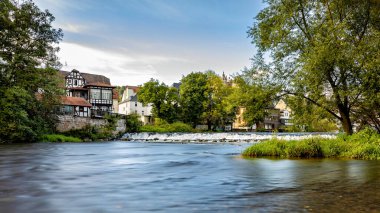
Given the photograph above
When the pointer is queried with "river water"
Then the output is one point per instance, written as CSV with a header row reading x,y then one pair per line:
x,y
169,177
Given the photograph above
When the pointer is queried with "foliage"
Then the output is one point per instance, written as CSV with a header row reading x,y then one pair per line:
x,y
166,127
362,145
120,90
193,93
218,108
27,68
205,99
90,133
164,99
59,138
308,117
325,52
257,99
133,123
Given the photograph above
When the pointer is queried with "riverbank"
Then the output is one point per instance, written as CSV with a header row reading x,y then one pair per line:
x,y
362,145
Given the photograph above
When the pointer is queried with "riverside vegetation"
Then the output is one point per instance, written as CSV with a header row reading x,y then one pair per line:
x,y
362,145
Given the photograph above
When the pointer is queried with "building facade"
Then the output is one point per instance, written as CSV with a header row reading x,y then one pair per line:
x,y
130,105
277,119
83,91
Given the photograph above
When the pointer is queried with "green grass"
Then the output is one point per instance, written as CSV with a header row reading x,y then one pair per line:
x,y
161,128
59,138
362,145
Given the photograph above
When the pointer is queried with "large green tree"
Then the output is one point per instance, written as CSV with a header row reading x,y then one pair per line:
x,y
164,100
254,96
218,109
28,83
325,51
193,95
205,99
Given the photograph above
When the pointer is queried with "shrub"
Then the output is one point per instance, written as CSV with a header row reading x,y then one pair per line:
x,y
59,138
362,145
165,127
132,123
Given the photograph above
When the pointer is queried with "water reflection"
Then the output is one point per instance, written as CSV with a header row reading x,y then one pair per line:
x,y
130,177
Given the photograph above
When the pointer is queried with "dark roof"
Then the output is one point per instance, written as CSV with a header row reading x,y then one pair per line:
x,y
90,78
75,101
78,88
97,84
133,98
176,85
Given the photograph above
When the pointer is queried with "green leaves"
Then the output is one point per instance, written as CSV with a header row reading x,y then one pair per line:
x,y
27,66
163,98
322,51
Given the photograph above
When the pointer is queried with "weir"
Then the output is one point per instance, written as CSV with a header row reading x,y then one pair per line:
x,y
220,137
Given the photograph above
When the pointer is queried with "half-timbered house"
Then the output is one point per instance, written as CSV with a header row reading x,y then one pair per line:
x,y
93,90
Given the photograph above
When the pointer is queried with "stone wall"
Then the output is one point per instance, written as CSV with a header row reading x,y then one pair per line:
x,y
67,122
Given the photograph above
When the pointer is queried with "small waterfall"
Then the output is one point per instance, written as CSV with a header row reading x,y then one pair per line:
x,y
220,137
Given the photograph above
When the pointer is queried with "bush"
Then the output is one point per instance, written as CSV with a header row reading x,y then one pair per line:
x,y
59,138
362,145
132,123
165,127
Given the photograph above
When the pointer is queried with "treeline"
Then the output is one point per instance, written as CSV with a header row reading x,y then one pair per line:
x,y
206,98
202,98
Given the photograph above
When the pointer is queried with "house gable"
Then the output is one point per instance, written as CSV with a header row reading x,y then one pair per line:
x,y
74,79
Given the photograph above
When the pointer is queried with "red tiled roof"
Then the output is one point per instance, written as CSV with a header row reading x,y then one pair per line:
x,y
75,101
134,88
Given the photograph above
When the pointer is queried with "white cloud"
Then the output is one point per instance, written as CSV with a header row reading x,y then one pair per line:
x,y
121,67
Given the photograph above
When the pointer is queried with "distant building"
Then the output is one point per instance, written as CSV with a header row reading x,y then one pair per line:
x,y
86,94
130,105
278,118
285,114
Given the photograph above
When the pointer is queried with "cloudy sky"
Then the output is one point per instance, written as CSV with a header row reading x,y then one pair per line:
x,y
131,41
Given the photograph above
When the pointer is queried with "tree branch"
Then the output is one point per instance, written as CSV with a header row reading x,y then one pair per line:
x,y
313,102
304,21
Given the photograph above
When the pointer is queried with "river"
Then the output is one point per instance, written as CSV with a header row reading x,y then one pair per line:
x,y
170,177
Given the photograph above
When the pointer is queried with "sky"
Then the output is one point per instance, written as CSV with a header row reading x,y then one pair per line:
x,y
132,41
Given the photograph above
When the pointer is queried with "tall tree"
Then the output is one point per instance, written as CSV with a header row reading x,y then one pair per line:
x,y
193,93
163,98
27,68
218,110
325,51
255,97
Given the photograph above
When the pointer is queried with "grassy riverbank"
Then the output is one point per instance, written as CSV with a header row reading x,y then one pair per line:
x,y
165,127
362,145
59,138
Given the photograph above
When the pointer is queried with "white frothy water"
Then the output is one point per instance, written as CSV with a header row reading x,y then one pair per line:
x,y
220,137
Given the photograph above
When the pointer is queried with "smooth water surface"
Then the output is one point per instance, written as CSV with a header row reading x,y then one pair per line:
x,y
154,177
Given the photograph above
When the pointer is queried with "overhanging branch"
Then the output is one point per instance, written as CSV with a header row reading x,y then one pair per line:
x,y
313,102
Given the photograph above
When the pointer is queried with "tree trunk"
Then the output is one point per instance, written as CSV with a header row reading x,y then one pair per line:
x,y
345,120
209,125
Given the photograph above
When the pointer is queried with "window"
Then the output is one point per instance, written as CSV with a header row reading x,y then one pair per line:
x,y
142,113
107,94
75,82
95,93
68,109
135,104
